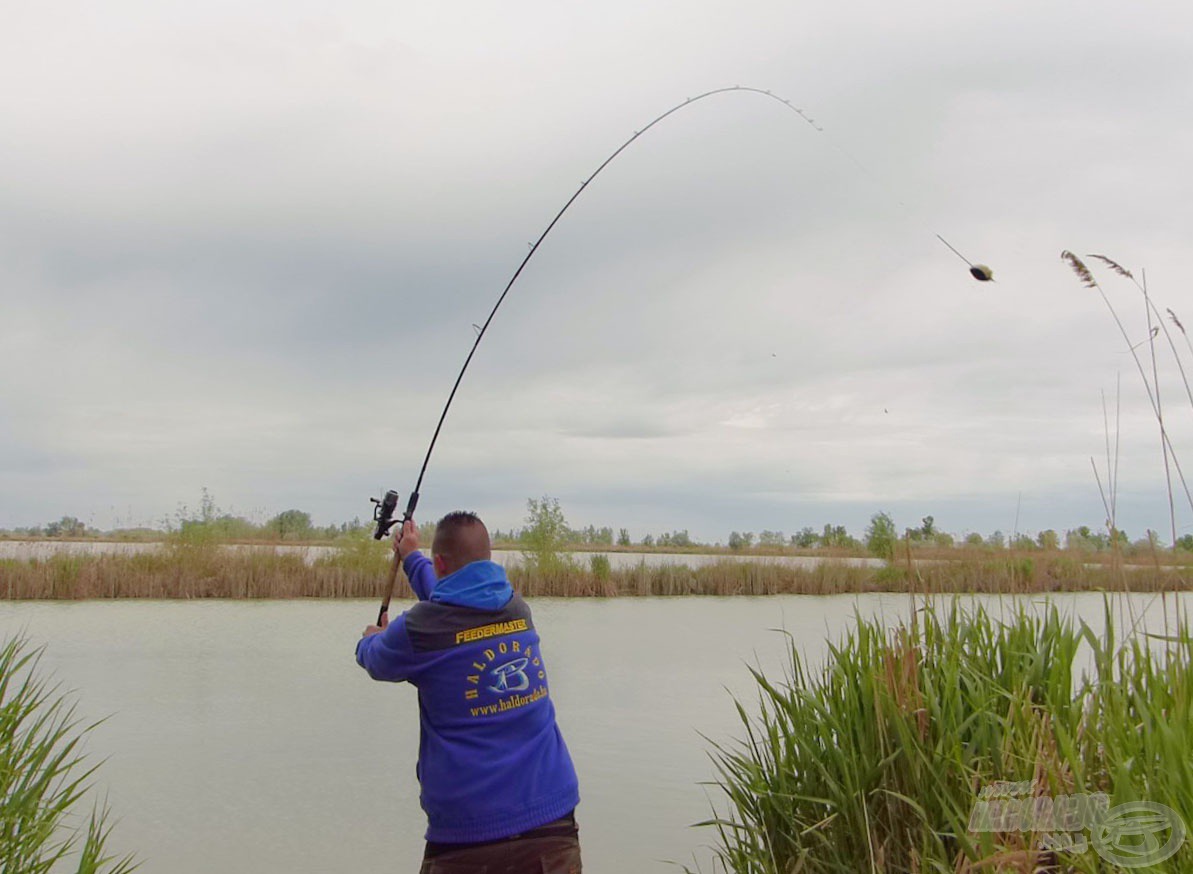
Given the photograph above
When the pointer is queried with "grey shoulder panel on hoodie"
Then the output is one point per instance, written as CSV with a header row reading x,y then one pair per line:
x,y
434,625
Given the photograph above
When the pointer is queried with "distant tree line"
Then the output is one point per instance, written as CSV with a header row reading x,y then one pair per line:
x,y
546,530
208,522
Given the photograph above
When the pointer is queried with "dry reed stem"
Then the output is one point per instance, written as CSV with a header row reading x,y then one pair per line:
x,y
1153,387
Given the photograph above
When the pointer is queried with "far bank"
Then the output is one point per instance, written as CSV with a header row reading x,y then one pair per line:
x,y
42,570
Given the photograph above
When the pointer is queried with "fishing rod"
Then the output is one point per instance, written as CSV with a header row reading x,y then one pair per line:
x,y
383,512
385,507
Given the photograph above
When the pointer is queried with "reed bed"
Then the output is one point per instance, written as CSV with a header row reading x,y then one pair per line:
x,y
44,778
193,572
875,761
358,571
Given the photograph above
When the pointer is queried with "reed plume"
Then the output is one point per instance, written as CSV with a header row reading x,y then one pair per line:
x,y
1114,265
1080,269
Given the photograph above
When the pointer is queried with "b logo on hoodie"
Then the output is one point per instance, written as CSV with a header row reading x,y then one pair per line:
x,y
506,670
511,677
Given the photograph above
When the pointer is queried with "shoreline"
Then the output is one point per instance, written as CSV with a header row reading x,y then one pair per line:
x,y
180,571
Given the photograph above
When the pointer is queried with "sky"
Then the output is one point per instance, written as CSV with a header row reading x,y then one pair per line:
x,y
243,248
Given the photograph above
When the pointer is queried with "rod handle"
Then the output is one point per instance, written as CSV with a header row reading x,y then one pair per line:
x,y
391,578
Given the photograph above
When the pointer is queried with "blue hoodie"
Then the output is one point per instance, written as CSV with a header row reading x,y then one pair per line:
x,y
491,760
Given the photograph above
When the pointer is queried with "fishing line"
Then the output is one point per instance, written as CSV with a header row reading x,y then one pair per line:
x,y
386,506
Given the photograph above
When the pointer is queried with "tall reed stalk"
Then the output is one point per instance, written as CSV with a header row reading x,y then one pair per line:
x,y
1151,386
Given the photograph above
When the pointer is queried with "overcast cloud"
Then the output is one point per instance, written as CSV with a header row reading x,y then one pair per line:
x,y
242,247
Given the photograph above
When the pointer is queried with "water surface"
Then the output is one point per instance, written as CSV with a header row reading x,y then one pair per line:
x,y
242,737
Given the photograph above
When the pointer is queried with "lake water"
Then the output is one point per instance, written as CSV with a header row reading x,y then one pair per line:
x,y
242,737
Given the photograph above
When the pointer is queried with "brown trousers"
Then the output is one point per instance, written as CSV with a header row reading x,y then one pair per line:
x,y
553,848
547,855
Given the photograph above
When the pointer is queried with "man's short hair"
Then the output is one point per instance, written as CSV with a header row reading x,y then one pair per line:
x,y
461,538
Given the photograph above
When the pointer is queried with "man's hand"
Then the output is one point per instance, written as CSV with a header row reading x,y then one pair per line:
x,y
376,629
407,540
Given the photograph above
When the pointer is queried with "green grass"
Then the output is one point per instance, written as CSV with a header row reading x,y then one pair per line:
x,y
874,761
44,778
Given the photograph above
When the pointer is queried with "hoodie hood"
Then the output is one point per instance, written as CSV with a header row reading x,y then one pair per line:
x,y
481,585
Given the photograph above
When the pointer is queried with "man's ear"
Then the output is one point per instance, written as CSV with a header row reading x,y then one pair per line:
x,y
440,565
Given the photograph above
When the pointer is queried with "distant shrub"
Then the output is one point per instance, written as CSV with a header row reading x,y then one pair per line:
x,y
599,564
881,536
